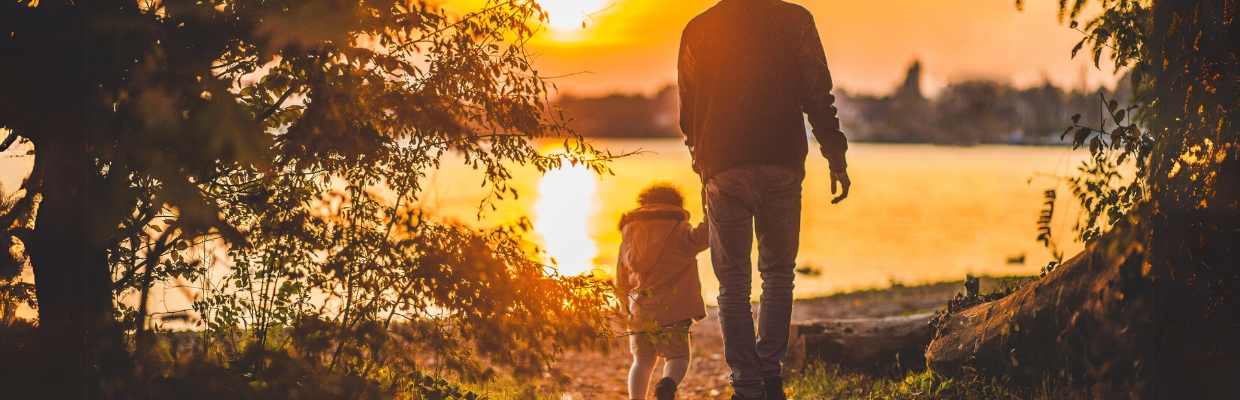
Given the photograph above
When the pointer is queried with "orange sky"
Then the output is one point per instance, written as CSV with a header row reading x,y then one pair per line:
x,y
630,45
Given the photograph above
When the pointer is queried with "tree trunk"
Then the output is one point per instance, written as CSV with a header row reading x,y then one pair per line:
x,y
61,258
1144,312
47,98
1194,273
1084,322
874,345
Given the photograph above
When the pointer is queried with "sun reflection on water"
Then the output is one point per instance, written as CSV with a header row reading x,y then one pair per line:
x,y
562,214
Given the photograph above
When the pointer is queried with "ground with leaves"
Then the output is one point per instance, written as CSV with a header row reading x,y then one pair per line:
x,y
604,376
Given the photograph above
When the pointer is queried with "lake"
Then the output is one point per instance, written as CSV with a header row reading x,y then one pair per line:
x,y
916,213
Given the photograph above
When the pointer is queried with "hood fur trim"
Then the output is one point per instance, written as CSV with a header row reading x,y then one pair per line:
x,y
654,213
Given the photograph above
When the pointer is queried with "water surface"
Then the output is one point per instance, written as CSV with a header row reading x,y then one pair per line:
x,y
916,214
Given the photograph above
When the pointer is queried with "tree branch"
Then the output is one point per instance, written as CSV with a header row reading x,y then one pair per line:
x,y
274,107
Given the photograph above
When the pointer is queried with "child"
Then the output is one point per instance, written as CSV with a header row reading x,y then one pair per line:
x,y
657,277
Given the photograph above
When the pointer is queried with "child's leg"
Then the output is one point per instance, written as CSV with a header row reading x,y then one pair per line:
x,y
676,368
644,359
678,354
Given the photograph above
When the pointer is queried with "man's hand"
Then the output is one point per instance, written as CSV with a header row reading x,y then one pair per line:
x,y
840,178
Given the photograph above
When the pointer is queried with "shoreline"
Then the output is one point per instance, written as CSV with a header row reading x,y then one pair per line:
x,y
600,375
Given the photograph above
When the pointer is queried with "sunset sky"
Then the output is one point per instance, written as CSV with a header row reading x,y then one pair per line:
x,y
630,45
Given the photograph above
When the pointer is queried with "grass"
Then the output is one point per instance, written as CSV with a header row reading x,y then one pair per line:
x,y
820,382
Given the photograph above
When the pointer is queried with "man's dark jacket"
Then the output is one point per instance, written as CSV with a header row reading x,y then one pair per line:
x,y
748,69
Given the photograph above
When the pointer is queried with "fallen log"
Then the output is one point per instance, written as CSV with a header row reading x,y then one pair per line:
x,y
1081,322
875,345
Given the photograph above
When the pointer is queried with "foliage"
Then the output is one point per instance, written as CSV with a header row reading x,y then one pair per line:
x,y
14,292
973,111
1182,205
1187,129
830,382
175,368
973,295
966,112
619,115
1187,117
262,156
1045,234
1100,187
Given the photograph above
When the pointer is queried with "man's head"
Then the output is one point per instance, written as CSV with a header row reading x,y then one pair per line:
x,y
661,193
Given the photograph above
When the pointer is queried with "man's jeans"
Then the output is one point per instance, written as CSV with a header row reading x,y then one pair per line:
x,y
765,199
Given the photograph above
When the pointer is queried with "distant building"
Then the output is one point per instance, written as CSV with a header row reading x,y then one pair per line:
x,y
964,113
905,116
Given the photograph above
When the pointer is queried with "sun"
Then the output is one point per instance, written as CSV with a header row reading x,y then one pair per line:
x,y
567,15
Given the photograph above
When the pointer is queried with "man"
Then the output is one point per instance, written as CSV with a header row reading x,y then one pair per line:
x,y
748,69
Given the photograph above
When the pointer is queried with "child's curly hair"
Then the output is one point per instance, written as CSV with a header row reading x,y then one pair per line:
x,y
661,193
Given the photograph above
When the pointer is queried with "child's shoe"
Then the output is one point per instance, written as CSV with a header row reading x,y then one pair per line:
x,y
665,389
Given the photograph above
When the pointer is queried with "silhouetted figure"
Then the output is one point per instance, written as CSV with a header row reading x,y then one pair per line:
x,y
748,69
657,278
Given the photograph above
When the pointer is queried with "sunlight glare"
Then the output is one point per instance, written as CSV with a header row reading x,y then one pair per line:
x,y
565,15
562,215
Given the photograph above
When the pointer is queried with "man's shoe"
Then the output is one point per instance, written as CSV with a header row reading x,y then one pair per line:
x,y
665,389
737,396
775,388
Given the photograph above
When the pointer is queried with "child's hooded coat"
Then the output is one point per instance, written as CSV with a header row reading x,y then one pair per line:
x,y
657,266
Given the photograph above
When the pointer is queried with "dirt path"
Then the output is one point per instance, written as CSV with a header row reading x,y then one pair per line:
x,y
604,376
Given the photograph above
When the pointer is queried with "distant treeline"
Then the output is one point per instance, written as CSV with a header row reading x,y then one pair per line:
x,y
619,115
964,113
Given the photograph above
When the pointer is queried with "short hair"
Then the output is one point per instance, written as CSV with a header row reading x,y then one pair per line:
x,y
661,193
